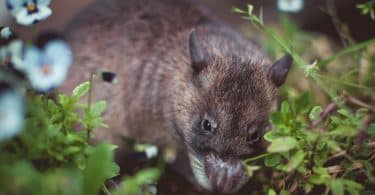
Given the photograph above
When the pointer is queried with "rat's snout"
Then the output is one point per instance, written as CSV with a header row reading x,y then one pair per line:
x,y
225,176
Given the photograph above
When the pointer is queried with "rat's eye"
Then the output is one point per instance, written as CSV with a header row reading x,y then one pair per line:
x,y
206,125
253,134
254,137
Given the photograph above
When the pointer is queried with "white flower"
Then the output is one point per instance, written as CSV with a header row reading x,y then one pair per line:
x,y
11,112
47,68
28,12
11,54
151,152
5,33
290,5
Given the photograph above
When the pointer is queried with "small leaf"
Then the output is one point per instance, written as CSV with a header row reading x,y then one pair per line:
x,y
272,135
282,144
371,130
271,192
147,175
353,187
132,185
272,160
238,10
337,187
344,112
277,118
302,103
284,107
98,169
81,90
250,9
315,113
284,192
295,161
98,108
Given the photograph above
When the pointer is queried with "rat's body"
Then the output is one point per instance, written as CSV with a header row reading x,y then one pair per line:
x,y
205,93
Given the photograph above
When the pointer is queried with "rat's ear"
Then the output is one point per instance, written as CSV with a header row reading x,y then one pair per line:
x,y
197,53
278,72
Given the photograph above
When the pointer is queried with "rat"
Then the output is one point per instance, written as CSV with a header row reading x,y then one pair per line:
x,y
186,80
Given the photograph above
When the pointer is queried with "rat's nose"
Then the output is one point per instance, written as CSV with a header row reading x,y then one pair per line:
x,y
225,176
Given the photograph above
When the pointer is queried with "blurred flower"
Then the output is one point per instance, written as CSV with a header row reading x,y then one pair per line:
x,y
151,151
47,68
28,12
290,5
146,151
11,54
106,76
5,33
11,111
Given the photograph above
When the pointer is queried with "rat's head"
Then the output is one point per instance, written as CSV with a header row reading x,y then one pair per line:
x,y
229,114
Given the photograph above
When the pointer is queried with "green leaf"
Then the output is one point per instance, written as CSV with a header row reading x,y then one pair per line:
x,y
98,169
284,192
337,187
344,112
295,161
315,113
81,90
271,135
353,187
271,192
238,10
147,175
371,130
320,176
277,118
285,107
302,103
98,108
133,185
272,160
282,144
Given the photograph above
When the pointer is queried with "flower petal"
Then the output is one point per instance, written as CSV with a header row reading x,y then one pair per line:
x,y
11,114
290,5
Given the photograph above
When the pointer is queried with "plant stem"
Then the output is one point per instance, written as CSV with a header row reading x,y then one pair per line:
x,y
89,129
256,157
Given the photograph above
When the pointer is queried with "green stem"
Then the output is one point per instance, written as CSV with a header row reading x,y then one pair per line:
x,y
256,157
345,83
105,190
348,50
89,129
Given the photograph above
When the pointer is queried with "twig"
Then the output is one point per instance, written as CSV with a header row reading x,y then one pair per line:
x,y
328,110
358,102
337,155
371,145
341,29
338,169
343,153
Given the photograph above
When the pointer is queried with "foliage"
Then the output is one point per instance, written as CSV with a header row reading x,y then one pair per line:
x,y
368,8
320,146
53,154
